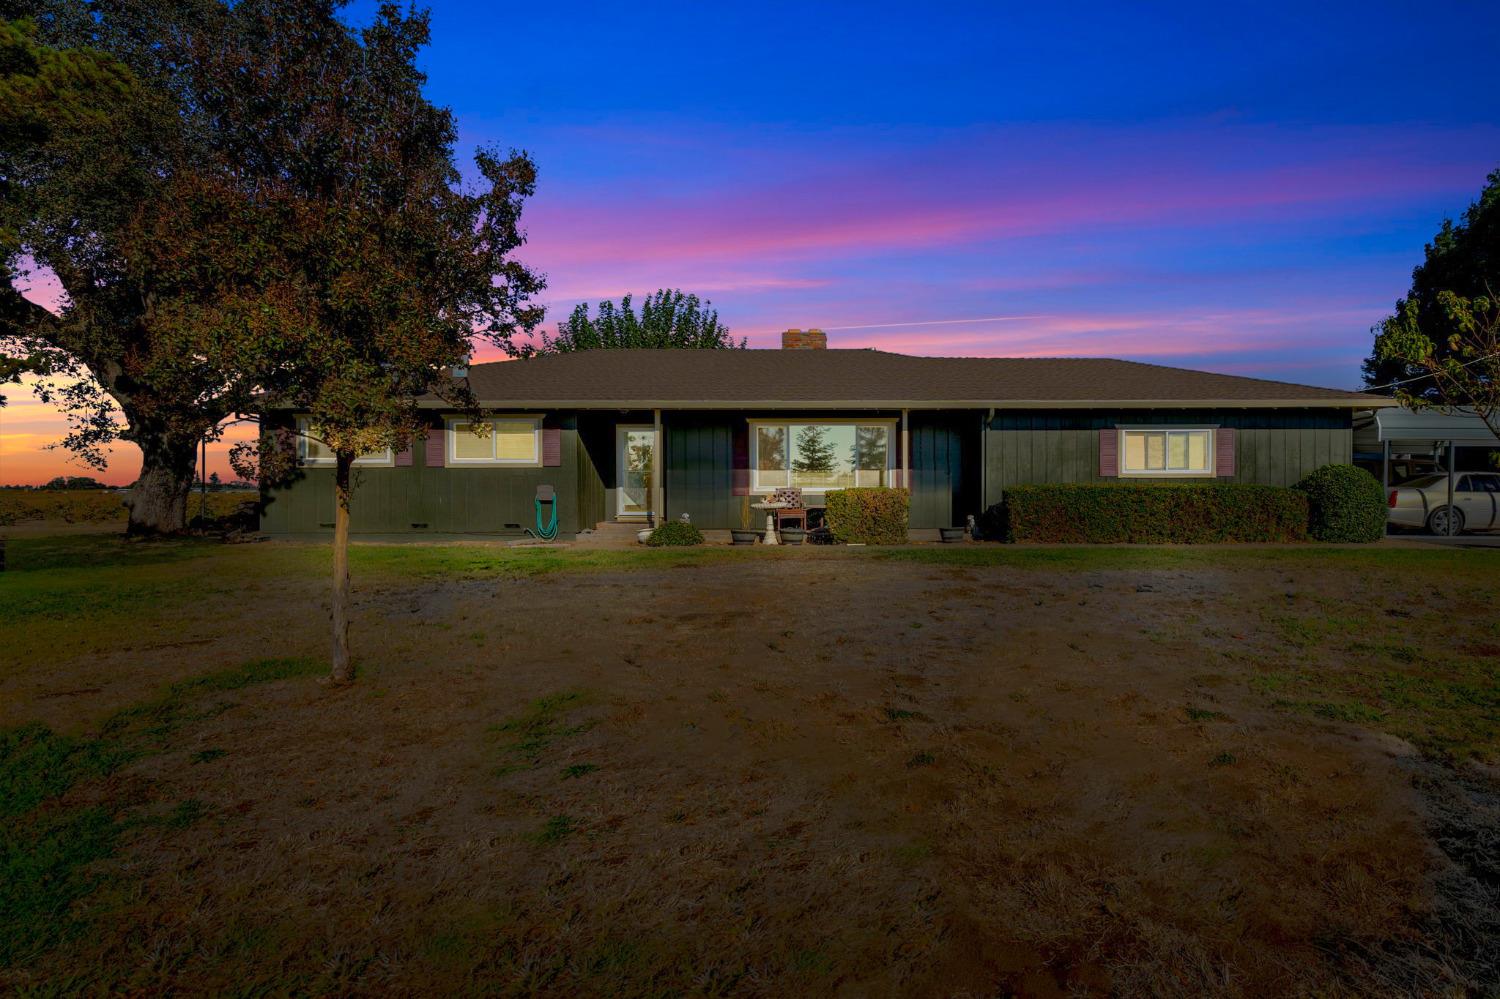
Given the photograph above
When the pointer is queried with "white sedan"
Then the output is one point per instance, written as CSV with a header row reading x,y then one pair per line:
x,y
1424,503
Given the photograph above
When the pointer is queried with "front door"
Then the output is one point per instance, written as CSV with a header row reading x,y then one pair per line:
x,y
635,448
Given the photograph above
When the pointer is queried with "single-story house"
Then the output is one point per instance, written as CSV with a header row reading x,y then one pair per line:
x,y
620,434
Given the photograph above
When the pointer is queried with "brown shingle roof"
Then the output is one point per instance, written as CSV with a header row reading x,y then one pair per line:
x,y
820,379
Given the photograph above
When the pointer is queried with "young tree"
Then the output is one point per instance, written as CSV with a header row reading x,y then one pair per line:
x,y
386,265
1463,262
668,319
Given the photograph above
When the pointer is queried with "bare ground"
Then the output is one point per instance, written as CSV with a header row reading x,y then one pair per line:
x,y
795,776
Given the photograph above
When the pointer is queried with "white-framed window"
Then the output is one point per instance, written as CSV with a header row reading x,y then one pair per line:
x,y
821,455
510,440
312,451
1166,451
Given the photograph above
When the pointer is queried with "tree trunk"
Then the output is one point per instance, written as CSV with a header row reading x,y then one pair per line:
x,y
343,666
158,502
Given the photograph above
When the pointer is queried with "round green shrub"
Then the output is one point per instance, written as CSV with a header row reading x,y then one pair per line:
x,y
1345,504
869,515
675,533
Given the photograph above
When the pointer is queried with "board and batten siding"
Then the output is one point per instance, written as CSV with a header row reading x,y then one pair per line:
x,y
944,468
698,470
1273,447
447,500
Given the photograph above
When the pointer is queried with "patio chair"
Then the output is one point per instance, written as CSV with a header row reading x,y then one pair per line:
x,y
794,510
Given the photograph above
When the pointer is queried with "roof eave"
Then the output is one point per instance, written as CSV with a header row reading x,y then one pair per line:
x,y
1352,402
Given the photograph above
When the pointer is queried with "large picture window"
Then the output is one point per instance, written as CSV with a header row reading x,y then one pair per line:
x,y
1167,452
312,451
818,457
499,441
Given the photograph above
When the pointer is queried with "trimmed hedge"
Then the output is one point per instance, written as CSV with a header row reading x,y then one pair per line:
x,y
1345,504
868,515
1153,513
675,533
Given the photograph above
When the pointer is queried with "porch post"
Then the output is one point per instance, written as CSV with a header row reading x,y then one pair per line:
x,y
1385,475
656,459
905,448
1452,470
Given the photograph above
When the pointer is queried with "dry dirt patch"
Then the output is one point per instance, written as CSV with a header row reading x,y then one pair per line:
x,y
776,777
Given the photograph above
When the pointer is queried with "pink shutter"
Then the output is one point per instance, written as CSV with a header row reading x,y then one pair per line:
x,y
741,448
1224,452
403,457
437,447
1109,453
551,447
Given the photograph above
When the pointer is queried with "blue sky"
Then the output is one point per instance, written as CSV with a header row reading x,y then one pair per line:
x,y
1239,189
1235,189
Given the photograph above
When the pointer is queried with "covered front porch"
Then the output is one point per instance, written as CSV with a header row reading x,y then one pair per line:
x,y
716,465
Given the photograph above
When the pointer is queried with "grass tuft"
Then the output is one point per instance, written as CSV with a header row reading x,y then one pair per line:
x,y
557,829
527,737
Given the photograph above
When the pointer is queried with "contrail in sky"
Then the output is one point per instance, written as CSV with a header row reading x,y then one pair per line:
x,y
936,322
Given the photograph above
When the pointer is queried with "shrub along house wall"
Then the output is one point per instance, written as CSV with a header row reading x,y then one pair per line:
x,y
1154,513
1275,447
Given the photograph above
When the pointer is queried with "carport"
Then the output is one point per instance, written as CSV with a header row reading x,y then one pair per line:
x,y
1387,436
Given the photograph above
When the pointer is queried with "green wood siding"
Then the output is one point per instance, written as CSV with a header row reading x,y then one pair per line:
x,y
448,500
943,469
1274,447
698,468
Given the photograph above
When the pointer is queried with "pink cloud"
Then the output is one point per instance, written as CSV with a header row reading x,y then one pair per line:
x,y
984,188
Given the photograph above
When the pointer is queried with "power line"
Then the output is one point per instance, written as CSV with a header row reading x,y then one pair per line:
x,y
1430,374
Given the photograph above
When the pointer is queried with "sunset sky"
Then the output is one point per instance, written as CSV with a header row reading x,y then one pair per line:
x,y
1235,191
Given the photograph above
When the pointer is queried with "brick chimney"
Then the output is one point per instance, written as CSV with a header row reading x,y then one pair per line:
x,y
804,340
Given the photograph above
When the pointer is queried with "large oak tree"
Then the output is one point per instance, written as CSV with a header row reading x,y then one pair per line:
x,y
104,154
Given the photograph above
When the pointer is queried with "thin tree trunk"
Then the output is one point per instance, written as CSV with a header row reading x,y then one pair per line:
x,y
343,666
158,501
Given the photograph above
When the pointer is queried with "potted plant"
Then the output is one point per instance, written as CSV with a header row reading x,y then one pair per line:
x,y
951,535
793,535
744,534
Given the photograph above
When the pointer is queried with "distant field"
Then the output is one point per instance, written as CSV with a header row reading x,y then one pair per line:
x,y
91,506
763,772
